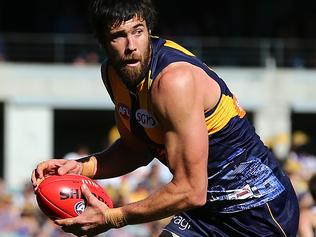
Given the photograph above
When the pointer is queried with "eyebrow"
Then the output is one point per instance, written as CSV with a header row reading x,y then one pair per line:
x,y
122,31
138,25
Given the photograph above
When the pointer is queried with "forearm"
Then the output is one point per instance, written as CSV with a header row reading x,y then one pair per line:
x,y
115,161
166,202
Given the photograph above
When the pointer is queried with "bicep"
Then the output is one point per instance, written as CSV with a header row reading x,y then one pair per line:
x,y
187,148
181,109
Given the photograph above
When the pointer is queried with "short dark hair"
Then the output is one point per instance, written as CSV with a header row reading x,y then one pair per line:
x,y
107,13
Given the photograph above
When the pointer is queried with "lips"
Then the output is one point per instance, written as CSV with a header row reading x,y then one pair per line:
x,y
131,62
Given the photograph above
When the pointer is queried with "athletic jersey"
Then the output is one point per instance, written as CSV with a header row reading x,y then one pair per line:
x,y
242,172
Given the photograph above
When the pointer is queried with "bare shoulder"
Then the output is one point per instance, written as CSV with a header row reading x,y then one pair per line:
x,y
174,76
172,83
184,83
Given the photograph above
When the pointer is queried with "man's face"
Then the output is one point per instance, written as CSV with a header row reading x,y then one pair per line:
x,y
128,50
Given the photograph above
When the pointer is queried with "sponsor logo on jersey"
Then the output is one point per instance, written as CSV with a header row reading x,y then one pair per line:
x,y
79,207
246,192
146,119
182,223
124,111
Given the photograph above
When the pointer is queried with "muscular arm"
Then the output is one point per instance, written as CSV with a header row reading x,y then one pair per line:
x,y
123,156
179,101
180,96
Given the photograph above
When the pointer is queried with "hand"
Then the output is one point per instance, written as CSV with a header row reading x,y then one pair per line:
x,y
95,219
54,167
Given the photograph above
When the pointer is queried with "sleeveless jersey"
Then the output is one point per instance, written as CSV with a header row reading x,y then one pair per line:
x,y
242,172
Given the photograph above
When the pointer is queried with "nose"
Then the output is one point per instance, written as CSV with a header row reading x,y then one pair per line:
x,y
130,43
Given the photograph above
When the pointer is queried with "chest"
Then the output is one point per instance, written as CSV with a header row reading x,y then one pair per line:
x,y
136,113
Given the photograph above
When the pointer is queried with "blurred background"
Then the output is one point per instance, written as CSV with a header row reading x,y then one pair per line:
x,y
53,102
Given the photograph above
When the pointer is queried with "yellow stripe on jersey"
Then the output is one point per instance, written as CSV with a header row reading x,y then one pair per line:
x,y
156,134
174,45
150,80
227,109
121,97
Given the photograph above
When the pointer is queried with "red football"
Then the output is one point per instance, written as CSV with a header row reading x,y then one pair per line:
x,y
60,196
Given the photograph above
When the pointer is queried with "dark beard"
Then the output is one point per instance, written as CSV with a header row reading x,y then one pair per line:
x,y
131,77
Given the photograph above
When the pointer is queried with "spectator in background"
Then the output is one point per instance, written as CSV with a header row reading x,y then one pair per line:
x,y
81,150
87,58
301,163
8,215
28,224
152,181
307,224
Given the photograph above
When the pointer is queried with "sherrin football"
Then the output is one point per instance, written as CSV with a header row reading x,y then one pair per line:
x,y
60,196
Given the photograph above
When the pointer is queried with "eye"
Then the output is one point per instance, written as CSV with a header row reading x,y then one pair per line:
x,y
117,36
138,32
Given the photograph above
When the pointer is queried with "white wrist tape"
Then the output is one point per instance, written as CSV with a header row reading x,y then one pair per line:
x,y
114,217
89,166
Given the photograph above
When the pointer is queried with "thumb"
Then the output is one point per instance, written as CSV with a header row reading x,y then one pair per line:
x,y
91,199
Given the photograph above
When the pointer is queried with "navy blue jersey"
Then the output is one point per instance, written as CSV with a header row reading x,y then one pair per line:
x,y
248,193
278,218
242,171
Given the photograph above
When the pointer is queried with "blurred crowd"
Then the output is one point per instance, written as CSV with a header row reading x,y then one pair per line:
x,y
300,165
21,217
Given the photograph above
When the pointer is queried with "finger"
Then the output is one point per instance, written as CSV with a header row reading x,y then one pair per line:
x,y
39,171
33,178
38,182
66,221
91,199
44,169
69,166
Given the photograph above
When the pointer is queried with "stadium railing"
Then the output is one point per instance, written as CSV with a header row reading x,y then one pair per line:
x,y
242,52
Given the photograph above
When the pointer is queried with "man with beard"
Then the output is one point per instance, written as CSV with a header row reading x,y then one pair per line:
x,y
171,106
